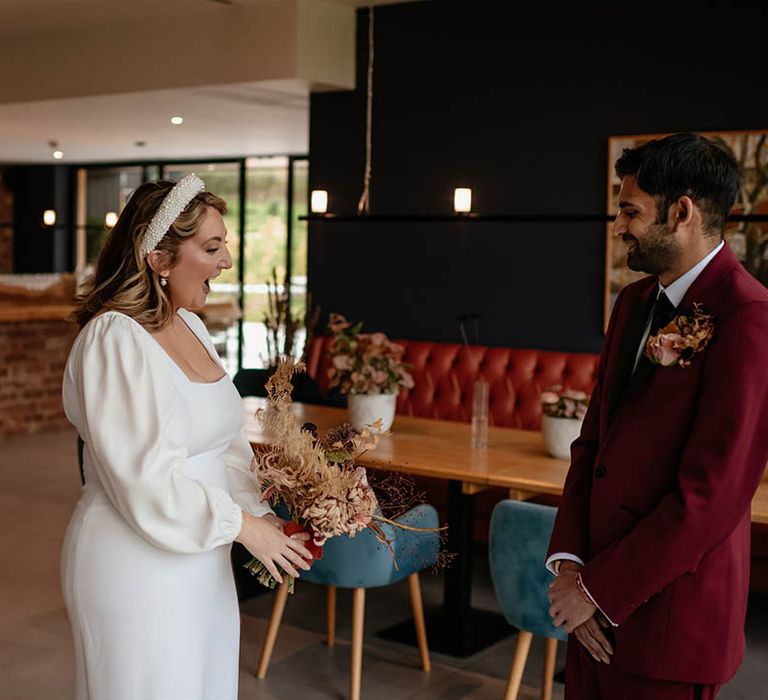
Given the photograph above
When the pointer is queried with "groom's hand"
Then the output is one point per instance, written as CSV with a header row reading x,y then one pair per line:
x,y
570,606
594,640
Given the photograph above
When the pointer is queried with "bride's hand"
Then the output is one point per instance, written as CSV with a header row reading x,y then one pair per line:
x,y
263,537
279,523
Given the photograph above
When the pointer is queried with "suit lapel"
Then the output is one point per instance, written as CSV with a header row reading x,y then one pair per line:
x,y
630,341
702,290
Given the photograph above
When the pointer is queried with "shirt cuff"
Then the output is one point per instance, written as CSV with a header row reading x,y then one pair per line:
x,y
553,563
594,602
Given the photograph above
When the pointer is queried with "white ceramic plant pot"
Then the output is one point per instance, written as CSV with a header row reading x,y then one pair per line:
x,y
365,409
559,433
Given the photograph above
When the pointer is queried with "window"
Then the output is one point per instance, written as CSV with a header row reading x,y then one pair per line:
x,y
272,196
106,190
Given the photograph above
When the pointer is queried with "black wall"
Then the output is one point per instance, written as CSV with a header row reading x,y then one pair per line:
x,y
519,108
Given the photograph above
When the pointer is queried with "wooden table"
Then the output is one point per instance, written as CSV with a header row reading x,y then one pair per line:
x,y
514,459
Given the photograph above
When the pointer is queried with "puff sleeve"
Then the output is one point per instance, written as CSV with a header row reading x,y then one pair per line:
x,y
118,394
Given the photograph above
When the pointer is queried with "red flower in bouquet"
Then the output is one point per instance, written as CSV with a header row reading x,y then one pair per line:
x,y
293,528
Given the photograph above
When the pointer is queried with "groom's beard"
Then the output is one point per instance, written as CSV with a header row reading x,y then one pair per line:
x,y
655,253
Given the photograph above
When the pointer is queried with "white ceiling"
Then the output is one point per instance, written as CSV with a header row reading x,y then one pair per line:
x,y
233,120
258,118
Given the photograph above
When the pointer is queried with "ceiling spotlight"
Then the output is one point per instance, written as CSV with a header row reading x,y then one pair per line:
x,y
110,219
58,155
49,217
177,120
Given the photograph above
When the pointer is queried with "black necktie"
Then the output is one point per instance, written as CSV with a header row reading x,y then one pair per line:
x,y
663,312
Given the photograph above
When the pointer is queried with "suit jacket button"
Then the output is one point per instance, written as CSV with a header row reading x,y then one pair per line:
x,y
600,471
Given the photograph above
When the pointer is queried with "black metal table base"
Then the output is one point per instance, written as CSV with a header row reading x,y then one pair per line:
x,y
482,629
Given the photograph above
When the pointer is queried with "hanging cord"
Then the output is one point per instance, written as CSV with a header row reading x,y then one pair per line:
x,y
364,205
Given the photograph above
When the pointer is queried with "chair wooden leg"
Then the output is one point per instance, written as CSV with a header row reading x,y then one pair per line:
x,y
274,624
330,612
550,656
418,618
518,664
358,614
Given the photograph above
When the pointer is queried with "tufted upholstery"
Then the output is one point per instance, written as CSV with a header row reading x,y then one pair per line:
x,y
443,374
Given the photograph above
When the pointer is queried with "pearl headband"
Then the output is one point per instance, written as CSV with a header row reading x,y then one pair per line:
x,y
183,192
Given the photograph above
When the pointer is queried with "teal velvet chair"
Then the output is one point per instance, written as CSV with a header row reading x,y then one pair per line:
x,y
362,562
517,548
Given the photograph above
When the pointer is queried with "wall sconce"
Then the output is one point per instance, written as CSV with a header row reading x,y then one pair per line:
x,y
110,219
318,203
462,200
49,217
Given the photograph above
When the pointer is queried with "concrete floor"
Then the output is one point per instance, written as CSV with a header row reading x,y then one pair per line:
x,y
39,485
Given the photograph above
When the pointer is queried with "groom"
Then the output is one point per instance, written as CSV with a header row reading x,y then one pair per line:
x,y
651,542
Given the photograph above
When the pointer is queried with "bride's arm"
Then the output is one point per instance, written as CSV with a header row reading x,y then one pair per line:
x,y
118,395
244,485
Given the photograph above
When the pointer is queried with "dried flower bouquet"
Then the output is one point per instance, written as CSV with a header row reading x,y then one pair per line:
x,y
324,491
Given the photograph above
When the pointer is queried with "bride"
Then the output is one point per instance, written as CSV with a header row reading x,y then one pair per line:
x,y
146,571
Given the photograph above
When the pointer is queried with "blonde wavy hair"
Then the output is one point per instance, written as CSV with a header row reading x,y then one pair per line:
x,y
123,280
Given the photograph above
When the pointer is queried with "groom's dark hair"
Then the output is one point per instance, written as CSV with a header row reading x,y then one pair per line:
x,y
686,164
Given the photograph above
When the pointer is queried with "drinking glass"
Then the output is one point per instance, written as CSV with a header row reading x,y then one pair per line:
x,y
480,414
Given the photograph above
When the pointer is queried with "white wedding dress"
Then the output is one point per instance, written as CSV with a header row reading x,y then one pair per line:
x,y
146,573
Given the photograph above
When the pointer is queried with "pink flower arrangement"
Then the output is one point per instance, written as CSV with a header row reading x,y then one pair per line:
x,y
681,339
564,403
365,363
664,348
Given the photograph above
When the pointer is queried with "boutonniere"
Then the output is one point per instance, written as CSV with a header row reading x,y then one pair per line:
x,y
681,339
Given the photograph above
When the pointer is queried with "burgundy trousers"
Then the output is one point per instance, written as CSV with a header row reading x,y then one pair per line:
x,y
586,679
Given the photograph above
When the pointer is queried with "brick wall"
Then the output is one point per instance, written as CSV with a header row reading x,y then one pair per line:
x,y
6,232
32,358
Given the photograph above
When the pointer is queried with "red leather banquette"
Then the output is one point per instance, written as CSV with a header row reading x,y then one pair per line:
x,y
443,374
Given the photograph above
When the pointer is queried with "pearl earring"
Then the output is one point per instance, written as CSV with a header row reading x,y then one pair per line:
x,y
163,281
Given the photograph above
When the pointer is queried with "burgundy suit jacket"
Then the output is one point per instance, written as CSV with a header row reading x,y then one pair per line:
x,y
657,498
